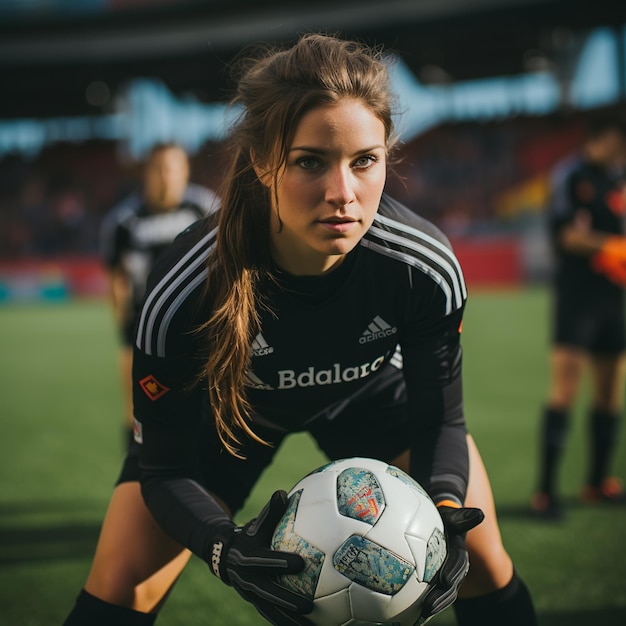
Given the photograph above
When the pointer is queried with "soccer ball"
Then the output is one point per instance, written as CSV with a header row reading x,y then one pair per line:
x,y
372,541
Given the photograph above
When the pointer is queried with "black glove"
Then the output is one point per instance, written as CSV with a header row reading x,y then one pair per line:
x,y
456,522
243,558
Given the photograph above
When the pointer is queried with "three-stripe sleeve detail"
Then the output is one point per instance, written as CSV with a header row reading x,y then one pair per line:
x,y
169,294
421,251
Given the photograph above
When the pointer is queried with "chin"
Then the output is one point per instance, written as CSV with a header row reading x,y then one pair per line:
x,y
343,248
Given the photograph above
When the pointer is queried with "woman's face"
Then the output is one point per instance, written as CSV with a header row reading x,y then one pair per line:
x,y
329,188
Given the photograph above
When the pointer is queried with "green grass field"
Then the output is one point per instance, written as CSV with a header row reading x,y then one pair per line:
x,y
60,406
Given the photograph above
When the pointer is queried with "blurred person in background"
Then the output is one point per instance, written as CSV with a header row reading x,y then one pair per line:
x,y
136,232
586,222
133,236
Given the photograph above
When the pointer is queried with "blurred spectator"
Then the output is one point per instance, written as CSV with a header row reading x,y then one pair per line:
x,y
52,206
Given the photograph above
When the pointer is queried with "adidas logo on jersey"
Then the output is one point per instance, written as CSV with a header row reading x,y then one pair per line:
x,y
377,329
260,347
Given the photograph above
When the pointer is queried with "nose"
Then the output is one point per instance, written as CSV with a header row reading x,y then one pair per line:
x,y
339,189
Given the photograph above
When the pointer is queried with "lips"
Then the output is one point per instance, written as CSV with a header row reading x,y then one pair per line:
x,y
338,224
338,220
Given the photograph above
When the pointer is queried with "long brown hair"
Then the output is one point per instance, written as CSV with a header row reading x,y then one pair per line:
x,y
274,91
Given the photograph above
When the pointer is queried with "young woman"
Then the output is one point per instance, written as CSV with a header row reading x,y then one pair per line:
x,y
310,302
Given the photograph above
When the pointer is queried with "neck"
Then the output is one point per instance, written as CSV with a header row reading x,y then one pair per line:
x,y
299,266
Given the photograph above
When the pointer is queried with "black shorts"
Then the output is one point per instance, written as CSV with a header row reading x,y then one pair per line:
x,y
130,466
373,423
594,324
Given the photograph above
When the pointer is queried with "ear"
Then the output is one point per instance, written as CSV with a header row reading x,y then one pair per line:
x,y
263,174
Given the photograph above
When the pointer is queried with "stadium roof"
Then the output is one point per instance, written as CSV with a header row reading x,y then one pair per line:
x,y
51,53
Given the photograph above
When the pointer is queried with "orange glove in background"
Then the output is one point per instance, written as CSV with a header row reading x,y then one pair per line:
x,y
610,260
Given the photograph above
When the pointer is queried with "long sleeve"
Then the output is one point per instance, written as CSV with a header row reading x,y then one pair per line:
x,y
432,363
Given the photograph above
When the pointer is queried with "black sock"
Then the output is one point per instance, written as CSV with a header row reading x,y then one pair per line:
x,y
509,606
90,611
603,433
554,429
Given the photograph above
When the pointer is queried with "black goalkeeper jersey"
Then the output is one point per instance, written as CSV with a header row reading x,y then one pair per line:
x,y
579,185
395,302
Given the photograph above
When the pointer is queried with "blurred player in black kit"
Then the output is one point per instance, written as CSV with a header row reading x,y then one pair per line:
x,y
134,234
137,231
586,217
311,301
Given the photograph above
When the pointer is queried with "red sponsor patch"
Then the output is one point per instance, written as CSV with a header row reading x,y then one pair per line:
x,y
153,388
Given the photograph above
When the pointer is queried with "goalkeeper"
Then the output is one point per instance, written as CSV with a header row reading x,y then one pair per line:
x,y
586,215
310,302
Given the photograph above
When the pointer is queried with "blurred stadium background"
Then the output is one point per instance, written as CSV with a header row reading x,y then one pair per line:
x,y
492,94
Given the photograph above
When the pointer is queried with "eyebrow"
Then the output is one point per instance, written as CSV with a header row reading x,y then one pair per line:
x,y
322,151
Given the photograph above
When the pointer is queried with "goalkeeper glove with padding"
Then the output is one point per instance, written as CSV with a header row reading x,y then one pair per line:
x,y
456,522
610,260
242,558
